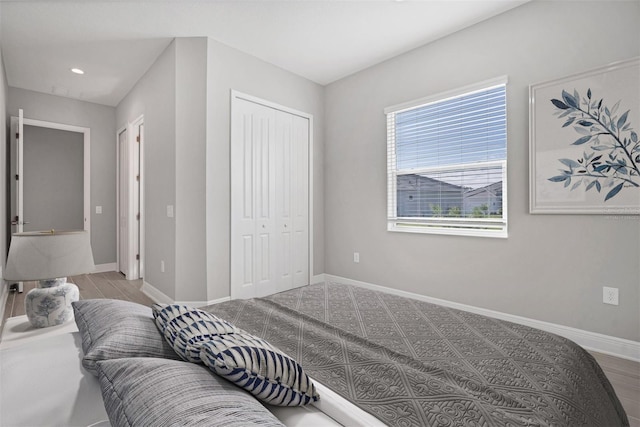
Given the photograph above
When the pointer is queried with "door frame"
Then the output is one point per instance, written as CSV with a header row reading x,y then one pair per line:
x,y
235,97
86,132
130,128
118,132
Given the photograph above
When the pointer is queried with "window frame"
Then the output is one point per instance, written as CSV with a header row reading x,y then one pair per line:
x,y
443,225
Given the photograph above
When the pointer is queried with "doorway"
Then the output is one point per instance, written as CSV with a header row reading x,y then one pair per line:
x,y
51,170
129,200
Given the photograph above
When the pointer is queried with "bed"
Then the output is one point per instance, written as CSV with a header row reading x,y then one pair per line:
x,y
43,383
376,358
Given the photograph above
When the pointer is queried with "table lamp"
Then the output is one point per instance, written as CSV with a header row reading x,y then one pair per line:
x,y
48,257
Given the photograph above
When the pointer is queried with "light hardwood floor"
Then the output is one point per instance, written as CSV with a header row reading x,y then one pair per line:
x,y
98,285
623,374
625,378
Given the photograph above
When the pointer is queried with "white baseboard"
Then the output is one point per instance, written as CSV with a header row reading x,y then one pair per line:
x,y
103,268
159,297
204,303
614,346
155,294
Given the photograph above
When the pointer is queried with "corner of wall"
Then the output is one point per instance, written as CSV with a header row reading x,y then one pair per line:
x,y
190,166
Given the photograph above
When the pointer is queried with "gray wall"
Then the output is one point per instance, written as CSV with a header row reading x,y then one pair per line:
x,y
229,69
552,267
155,96
101,120
191,130
4,220
53,179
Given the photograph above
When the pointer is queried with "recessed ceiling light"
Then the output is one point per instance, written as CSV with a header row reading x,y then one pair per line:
x,y
77,71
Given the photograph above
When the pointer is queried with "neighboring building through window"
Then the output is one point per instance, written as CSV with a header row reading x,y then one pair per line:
x,y
447,162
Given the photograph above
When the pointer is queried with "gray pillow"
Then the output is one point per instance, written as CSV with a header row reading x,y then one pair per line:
x,y
113,329
160,392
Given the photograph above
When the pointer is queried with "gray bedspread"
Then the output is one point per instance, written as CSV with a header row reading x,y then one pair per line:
x,y
411,363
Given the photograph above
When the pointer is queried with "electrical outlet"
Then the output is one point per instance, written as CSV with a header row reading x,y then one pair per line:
x,y
98,210
356,257
161,266
610,295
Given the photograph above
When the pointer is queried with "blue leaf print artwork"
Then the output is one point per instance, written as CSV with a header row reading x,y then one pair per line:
x,y
605,133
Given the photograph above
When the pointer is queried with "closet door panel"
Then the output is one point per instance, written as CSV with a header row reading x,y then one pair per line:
x,y
246,163
265,167
252,196
284,135
247,260
242,202
300,200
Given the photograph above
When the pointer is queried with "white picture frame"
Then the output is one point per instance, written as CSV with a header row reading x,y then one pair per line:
x,y
584,142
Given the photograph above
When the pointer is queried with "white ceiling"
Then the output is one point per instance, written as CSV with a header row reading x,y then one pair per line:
x,y
116,41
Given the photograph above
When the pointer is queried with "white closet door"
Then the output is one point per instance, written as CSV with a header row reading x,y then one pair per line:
x,y
252,200
284,217
292,200
269,200
300,201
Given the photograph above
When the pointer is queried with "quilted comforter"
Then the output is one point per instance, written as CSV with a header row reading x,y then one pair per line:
x,y
412,363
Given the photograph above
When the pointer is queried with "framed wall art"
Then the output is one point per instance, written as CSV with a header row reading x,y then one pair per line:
x,y
584,142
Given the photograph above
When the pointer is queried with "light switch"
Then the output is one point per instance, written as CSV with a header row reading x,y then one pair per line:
x,y
98,209
170,211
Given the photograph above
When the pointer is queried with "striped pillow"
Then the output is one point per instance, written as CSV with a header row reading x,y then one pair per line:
x,y
159,392
186,328
112,329
258,367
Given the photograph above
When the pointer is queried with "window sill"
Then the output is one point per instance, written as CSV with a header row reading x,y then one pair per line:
x,y
500,233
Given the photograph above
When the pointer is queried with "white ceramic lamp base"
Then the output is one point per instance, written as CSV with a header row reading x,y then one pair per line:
x,y
51,306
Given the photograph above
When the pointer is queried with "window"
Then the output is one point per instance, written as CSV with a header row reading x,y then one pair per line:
x,y
447,163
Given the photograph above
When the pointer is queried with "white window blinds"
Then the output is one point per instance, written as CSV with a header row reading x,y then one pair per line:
x,y
446,162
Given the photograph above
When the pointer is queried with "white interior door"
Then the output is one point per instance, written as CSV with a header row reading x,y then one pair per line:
x,y
135,199
269,200
123,203
139,239
19,217
17,208
129,200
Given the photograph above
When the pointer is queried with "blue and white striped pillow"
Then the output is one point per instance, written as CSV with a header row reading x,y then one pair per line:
x,y
258,367
186,328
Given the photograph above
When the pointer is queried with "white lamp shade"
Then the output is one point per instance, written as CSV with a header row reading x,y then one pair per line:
x,y
45,255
